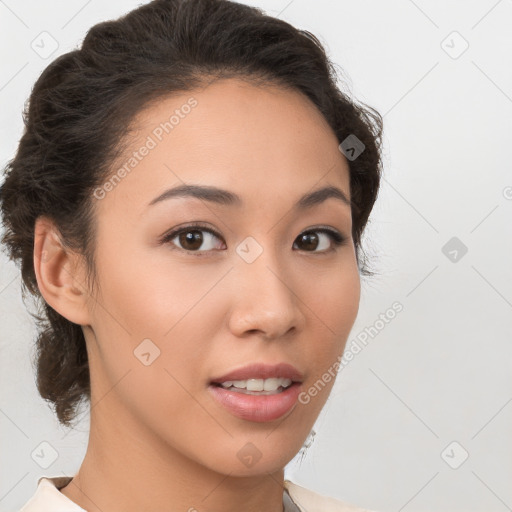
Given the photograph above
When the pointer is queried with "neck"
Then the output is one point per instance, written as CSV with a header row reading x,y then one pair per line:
x,y
128,468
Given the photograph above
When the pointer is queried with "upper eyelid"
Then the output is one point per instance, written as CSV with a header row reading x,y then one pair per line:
x,y
199,227
213,231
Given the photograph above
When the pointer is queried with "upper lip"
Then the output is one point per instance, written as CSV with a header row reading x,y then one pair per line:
x,y
262,371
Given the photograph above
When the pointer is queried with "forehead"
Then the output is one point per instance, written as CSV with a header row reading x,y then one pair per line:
x,y
233,135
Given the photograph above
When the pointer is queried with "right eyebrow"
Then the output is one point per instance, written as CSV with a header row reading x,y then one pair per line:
x,y
207,193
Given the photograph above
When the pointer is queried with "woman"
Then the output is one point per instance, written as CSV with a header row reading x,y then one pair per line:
x,y
188,201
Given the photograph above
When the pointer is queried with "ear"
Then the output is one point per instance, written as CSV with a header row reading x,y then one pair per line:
x,y
60,274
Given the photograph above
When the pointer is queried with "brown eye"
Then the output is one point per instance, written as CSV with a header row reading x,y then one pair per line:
x,y
200,240
193,239
310,240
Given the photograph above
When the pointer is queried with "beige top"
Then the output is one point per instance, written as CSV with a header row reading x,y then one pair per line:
x,y
48,498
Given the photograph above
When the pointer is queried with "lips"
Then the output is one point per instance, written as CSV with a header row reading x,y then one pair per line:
x,y
258,407
262,371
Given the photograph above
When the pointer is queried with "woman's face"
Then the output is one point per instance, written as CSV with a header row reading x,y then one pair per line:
x,y
172,316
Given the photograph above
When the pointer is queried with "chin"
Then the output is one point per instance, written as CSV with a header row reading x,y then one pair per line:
x,y
255,454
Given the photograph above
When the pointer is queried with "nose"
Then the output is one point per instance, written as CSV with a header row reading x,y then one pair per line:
x,y
265,300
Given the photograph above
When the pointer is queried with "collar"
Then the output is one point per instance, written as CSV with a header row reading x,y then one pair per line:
x,y
48,495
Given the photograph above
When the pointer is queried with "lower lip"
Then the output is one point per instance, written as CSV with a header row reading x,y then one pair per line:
x,y
259,408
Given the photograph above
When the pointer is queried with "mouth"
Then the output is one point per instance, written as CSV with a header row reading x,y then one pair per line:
x,y
258,392
258,387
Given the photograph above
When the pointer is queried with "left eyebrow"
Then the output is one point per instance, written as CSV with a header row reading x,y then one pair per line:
x,y
227,198
321,195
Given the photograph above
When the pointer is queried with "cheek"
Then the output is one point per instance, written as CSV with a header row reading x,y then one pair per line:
x,y
333,306
149,292
158,306
332,301
153,330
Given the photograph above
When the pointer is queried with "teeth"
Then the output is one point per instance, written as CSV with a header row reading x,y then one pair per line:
x,y
258,384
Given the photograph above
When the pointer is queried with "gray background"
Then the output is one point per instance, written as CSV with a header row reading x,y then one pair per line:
x,y
440,371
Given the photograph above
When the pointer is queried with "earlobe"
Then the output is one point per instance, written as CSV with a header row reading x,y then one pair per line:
x,y
58,273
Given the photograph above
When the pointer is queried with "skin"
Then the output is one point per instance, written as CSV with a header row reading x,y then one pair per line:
x,y
156,434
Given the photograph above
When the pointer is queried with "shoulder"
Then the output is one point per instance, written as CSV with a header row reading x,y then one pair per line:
x,y
311,501
48,497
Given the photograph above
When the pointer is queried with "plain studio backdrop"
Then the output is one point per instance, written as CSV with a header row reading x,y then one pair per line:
x,y
420,418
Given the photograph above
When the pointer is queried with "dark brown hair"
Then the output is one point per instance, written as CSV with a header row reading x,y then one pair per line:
x,y
82,105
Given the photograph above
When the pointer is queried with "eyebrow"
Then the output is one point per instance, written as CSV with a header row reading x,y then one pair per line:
x,y
227,198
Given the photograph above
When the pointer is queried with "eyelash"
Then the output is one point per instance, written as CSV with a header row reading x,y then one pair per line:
x,y
336,237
